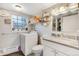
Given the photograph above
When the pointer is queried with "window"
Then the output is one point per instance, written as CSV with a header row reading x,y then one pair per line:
x,y
19,22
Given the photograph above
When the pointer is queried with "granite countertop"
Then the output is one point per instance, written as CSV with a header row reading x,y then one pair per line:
x,y
63,41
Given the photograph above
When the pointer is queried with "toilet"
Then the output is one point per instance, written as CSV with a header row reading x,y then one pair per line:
x,y
38,50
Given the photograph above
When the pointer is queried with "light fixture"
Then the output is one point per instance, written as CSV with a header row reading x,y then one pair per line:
x,y
62,9
55,11
18,7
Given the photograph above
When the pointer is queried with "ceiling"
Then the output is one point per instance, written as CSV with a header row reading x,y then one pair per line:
x,y
28,8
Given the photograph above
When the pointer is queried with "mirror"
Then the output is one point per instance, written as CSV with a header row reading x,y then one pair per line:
x,y
67,21
70,23
57,23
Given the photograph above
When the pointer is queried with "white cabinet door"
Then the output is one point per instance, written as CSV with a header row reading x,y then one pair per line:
x,y
28,40
48,51
60,54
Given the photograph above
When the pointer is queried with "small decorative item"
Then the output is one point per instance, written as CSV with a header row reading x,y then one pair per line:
x,y
7,20
37,18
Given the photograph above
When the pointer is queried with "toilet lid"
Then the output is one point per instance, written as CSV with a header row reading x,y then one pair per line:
x,y
38,47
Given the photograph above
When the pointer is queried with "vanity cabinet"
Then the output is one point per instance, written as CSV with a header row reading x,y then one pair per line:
x,y
50,51
55,49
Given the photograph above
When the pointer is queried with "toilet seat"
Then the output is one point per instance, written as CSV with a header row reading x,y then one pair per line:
x,y
37,50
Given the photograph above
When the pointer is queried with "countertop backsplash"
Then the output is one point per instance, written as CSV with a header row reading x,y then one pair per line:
x,y
73,36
